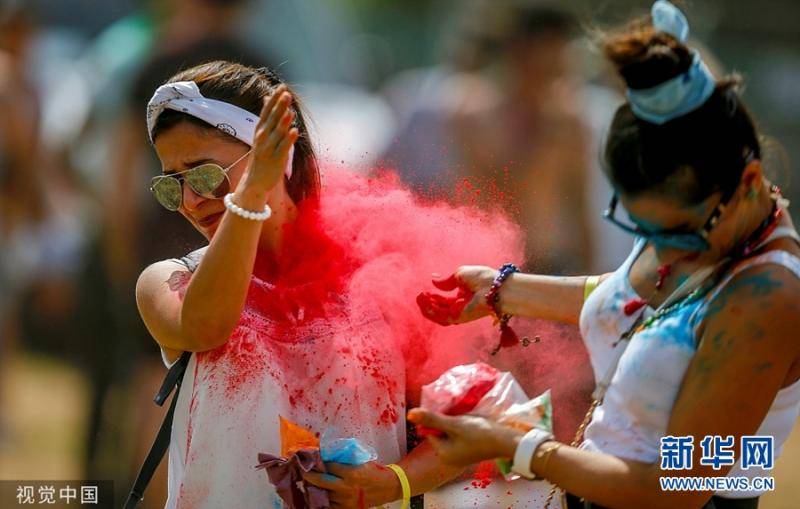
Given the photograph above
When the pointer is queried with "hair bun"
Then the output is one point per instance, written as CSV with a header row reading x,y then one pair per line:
x,y
644,56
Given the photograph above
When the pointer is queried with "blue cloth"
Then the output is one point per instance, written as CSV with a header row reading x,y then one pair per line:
x,y
683,93
668,18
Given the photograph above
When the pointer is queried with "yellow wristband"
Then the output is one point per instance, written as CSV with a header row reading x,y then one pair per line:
x,y
589,286
401,474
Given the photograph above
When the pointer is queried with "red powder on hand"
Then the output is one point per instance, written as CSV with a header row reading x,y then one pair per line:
x,y
442,309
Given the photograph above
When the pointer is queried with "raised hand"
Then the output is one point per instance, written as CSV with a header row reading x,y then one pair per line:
x,y
274,138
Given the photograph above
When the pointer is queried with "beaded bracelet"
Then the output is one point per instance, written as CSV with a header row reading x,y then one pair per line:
x,y
247,214
507,335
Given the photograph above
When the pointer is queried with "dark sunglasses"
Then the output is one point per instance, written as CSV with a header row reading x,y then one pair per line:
x,y
687,241
207,180
691,241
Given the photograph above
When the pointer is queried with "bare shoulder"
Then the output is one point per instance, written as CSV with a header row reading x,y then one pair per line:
x,y
747,351
761,303
767,284
159,297
160,275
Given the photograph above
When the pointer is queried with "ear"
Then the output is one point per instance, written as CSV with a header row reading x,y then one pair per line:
x,y
752,176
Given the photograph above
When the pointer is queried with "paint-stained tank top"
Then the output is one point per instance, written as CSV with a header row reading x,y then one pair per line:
x,y
637,406
329,372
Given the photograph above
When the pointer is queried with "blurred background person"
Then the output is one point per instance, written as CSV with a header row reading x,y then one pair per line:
x,y
182,33
40,232
499,123
523,130
513,126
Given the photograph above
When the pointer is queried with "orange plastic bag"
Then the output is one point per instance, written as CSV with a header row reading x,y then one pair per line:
x,y
295,437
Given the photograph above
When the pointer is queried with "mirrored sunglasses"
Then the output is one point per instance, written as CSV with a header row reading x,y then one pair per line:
x,y
207,180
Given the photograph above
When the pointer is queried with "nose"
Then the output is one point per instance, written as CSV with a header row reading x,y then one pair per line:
x,y
191,200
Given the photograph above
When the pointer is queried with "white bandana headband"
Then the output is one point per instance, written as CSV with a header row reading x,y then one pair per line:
x,y
184,96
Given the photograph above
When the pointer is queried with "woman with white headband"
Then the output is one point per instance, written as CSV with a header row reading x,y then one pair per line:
x,y
693,340
264,309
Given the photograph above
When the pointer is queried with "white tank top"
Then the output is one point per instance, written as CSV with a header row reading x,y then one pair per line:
x,y
230,399
639,400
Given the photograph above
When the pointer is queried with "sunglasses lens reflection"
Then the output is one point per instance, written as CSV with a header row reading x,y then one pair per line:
x,y
208,180
167,191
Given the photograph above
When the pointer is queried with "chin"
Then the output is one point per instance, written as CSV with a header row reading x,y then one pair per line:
x,y
206,231
209,232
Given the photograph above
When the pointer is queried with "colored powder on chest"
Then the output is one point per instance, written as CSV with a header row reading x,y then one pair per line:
x,y
371,244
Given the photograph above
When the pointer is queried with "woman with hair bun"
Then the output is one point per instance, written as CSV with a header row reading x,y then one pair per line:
x,y
693,339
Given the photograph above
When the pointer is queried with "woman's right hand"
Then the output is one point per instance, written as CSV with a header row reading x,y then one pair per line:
x,y
472,282
274,138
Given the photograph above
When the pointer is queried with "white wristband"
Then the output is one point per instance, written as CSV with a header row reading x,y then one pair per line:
x,y
247,214
525,450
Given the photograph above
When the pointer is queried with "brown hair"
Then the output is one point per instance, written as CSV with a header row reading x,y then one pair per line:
x,y
709,145
246,87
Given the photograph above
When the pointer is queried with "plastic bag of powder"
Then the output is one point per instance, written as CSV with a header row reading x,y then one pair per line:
x,y
347,451
479,389
458,390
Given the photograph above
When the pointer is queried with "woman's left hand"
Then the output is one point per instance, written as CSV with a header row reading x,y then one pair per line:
x,y
357,487
468,439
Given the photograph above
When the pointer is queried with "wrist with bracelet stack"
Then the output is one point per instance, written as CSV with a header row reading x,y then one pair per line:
x,y
508,337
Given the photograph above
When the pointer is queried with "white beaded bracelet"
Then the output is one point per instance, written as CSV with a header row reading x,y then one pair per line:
x,y
247,214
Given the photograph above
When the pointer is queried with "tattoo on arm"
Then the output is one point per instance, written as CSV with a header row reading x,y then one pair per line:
x,y
178,282
760,284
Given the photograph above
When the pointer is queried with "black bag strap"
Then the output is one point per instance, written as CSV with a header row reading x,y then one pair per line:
x,y
161,444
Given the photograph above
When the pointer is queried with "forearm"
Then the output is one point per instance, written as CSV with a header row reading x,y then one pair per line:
x,y
553,298
425,470
216,294
607,480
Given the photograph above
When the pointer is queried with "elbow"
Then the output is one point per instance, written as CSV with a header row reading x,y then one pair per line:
x,y
663,500
652,495
670,500
657,498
